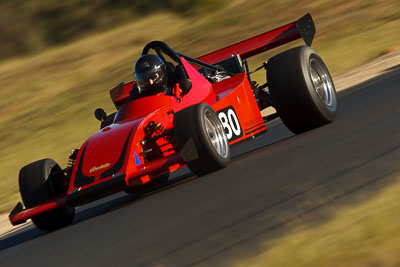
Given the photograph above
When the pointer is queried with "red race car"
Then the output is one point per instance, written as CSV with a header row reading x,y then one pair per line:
x,y
204,106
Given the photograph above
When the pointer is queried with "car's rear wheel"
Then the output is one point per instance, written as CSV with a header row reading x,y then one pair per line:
x,y
202,139
301,88
36,186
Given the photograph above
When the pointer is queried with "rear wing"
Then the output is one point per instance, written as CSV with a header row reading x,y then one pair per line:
x,y
302,28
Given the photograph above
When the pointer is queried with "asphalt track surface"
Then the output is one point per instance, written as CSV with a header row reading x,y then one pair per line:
x,y
275,182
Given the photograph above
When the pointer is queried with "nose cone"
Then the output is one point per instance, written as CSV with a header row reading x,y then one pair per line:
x,y
104,154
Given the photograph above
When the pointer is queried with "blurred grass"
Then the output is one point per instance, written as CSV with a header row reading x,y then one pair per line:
x,y
47,99
31,26
366,234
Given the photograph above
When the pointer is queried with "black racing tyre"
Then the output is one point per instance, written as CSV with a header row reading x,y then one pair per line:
x,y
35,186
202,139
301,88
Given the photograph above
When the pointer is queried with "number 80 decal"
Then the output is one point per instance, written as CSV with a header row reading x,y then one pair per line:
x,y
230,122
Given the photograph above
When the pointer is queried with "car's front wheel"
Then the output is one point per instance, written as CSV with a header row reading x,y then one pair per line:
x,y
202,139
36,186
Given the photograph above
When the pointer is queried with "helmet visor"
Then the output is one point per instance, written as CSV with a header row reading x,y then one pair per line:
x,y
147,79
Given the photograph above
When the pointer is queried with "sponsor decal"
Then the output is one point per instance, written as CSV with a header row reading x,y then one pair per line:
x,y
97,168
137,160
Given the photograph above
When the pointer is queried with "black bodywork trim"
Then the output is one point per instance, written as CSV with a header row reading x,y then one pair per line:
x,y
120,162
80,178
109,187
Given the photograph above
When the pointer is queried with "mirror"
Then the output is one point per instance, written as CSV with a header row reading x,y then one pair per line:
x,y
184,82
100,114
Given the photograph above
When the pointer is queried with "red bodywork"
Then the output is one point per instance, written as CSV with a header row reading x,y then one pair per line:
x,y
115,157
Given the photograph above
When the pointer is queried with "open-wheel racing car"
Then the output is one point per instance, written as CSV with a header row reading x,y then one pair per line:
x,y
211,104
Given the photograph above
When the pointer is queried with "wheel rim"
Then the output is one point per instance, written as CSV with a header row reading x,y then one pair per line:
x,y
216,134
322,82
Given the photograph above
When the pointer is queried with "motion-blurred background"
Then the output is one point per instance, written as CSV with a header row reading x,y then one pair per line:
x,y
58,59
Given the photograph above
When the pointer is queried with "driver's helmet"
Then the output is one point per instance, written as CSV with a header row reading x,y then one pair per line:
x,y
150,74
